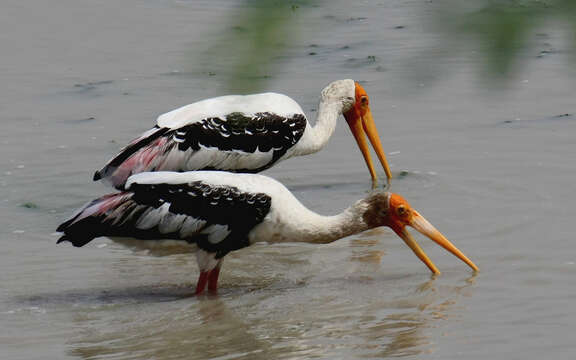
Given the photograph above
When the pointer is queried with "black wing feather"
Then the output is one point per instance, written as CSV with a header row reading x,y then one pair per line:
x,y
236,133
216,205
127,152
263,132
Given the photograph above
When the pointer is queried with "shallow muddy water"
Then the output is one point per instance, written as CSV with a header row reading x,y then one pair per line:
x,y
494,171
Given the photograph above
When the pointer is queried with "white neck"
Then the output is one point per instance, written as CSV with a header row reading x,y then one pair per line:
x,y
336,227
315,138
308,226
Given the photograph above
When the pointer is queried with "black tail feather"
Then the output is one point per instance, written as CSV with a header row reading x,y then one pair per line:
x,y
126,153
77,242
62,227
81,232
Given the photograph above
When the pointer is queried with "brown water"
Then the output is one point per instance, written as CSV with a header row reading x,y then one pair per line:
x,y
494,171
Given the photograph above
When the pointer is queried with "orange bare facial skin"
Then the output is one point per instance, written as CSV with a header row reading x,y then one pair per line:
x,y
361,123
362,100
401,211
401,215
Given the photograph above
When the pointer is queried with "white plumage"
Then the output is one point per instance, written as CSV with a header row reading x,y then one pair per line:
x,y
221,106
219,212
245,133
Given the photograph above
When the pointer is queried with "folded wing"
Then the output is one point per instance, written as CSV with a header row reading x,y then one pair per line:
x,y
215,217
235,142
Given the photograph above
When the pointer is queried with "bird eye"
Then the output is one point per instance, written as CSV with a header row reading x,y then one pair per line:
x,y
383,212
364,100
401,210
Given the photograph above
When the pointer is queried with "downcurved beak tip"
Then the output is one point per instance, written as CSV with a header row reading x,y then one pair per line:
x,y
425,228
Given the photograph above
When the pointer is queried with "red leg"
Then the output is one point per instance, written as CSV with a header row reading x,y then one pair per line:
x,y
202,280
213,279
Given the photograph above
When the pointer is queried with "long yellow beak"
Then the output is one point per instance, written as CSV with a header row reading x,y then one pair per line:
x,y
422,225
412,244
360,127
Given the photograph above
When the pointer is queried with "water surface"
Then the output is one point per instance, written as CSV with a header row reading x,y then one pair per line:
x,y
494,171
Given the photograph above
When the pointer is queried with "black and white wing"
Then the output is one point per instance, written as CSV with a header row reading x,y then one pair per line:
x,y
217,218
232,133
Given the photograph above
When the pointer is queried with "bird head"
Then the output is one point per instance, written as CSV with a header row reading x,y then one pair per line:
x,y
392,210
356,111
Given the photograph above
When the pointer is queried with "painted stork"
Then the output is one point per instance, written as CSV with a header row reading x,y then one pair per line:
x,y
214,213
246,133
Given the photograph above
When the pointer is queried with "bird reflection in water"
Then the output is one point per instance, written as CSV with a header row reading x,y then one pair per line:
x,y
363,247
404,331
408,327
315,319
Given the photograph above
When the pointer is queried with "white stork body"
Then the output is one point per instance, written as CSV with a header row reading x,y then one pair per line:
x,y
219,212
221,106
287,220
241,133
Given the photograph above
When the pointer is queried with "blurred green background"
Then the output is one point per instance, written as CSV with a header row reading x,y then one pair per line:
x,y
260,32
